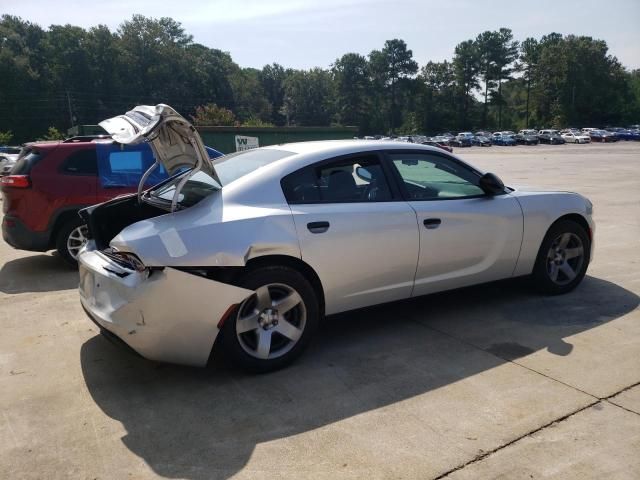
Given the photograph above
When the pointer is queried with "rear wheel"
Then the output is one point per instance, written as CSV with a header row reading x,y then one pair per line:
x,y
273,326
563,258
71,237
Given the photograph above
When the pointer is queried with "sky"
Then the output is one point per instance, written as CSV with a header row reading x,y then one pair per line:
x,y
305,33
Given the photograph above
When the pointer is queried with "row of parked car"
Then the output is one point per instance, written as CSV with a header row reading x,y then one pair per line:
x,y
523,137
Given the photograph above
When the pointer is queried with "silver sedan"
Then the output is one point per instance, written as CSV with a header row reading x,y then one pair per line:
x,y
256,247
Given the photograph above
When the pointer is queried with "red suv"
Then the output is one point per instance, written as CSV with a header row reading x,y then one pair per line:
x,y
51,181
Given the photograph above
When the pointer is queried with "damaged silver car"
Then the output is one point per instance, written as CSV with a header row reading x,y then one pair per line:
x,y
254,248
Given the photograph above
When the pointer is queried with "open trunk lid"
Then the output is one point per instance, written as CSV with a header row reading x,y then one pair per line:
x,y
175,142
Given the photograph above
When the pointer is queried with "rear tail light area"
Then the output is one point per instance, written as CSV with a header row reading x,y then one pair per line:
x,y
15,181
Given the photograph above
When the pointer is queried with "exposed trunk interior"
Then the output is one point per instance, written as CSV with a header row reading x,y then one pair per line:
x,y
105,221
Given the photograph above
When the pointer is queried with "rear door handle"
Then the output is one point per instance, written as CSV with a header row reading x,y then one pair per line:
x,y
318,227
432,223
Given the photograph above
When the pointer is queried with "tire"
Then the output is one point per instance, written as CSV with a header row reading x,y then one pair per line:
x,y
66,245
559,268
243,347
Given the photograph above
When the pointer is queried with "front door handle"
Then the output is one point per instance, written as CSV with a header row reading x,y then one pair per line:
x,y
432,223
318,227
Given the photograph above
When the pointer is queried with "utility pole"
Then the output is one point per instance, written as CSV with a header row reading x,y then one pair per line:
x,y
69,105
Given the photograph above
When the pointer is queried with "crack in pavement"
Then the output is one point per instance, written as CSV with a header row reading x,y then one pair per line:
x,y
511,442
484,455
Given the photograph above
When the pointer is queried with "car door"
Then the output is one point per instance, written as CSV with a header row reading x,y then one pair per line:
x,y
354,230
466,236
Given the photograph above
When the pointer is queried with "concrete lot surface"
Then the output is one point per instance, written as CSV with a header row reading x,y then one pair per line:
x,y
487,382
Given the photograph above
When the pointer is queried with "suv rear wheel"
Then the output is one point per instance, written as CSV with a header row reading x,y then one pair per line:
x,y
71,237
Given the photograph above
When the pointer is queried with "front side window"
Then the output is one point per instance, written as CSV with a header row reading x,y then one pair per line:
x,y
431,177
354,179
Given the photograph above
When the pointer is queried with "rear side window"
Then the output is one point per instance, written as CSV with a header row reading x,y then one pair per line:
x,y
83,162
351,180
25,163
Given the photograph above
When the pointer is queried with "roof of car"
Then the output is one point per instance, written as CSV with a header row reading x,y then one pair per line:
x,y
338,147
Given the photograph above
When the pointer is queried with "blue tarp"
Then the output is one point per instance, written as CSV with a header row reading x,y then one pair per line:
x,y
123,165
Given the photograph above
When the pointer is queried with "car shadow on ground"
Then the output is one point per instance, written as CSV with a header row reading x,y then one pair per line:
x,y
37,273
205,423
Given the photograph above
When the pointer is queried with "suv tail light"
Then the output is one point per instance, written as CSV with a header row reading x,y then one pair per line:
x,y
15,181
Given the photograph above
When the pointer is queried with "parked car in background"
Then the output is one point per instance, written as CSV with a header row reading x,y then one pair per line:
x,y
8,158
460,141
483,133
575,137
624,133
442,140
52,181
433,143
527,137
481,141
255,248
602,136
551,137
503,140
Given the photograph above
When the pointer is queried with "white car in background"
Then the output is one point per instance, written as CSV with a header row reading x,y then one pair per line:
x,y
8,158
572,136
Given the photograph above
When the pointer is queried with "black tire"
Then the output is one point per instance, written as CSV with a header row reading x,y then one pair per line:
x,y
541,272
62,237
253,280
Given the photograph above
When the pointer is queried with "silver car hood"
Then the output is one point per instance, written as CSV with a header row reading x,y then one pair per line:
x,y
174,141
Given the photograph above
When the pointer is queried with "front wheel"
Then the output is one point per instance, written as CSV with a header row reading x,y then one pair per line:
x,y
273,326
563,258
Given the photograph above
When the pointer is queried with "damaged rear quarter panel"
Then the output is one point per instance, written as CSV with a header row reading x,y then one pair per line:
x,y
170,316
224,229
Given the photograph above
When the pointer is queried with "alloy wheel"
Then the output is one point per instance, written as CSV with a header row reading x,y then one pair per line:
x,y
76,240
565,258
270,322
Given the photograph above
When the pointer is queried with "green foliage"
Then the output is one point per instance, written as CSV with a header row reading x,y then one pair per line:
x,y
66,74
5,137
256,122
307,97
213,115
53,134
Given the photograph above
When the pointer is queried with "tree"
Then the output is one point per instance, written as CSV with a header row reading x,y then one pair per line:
x,y
53,134
249,99
212,114
466,65
529,57
486,43
307,97
351,80
438,92
5,137
506,54
393,64
272,78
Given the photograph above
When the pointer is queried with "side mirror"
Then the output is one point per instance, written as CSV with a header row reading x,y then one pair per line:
x,y
491,184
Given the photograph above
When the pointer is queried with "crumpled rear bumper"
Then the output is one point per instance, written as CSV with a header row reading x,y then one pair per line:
x,y
165,314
